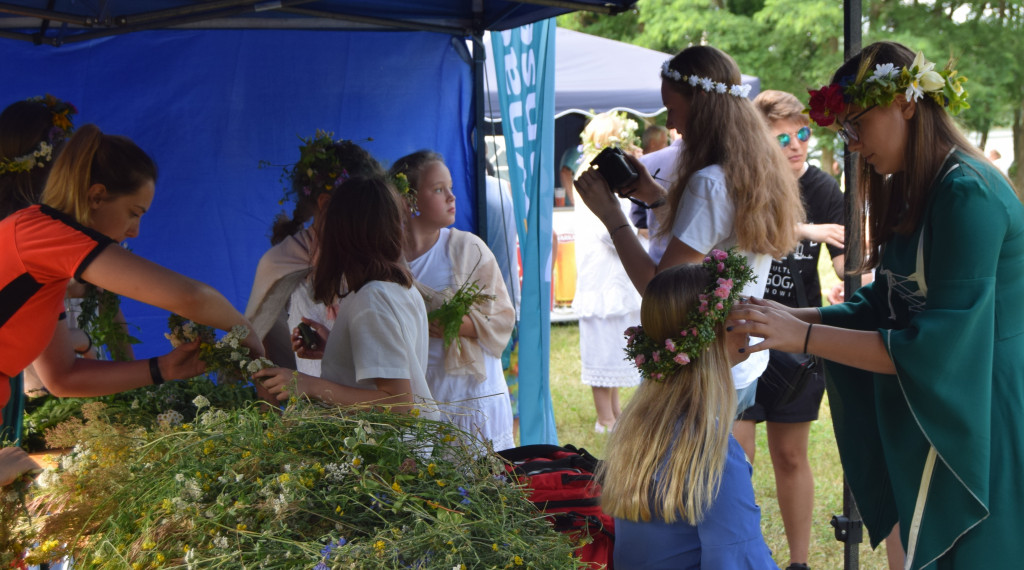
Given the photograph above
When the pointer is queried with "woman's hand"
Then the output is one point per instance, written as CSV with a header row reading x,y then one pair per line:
x,y
832,234
182,362
14,463
599,198
281,383
300,348
777,324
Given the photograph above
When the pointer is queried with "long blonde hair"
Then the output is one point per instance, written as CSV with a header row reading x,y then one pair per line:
x,y
667,453
729,131
91,157
897,202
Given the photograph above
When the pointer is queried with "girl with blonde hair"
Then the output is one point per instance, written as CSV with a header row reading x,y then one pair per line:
x,y
96,194
676,481
732,188
465,376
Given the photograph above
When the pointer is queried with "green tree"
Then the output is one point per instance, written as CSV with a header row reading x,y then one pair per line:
x,y
987,38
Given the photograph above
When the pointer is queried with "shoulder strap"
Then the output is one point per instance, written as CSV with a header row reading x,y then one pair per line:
x,y
798,281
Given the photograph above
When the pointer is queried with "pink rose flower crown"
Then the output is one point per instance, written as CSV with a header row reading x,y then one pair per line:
x,y
658,359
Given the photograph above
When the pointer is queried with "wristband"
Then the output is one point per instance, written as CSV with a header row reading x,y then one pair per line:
x,y
154,372
611,234
88,348
807,337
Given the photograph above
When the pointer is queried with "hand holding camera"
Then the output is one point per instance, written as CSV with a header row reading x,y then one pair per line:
x,y
308,339
612,164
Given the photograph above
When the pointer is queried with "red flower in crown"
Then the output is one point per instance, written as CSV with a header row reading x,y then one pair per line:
x,y
826,103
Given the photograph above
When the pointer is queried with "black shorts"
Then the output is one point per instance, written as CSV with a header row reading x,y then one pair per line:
x,y
775,403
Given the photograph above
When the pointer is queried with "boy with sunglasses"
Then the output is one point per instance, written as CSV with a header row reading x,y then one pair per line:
x,y
789,414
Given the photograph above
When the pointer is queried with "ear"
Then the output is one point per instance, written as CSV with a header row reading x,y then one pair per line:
x,y
96,194
322,200
907,108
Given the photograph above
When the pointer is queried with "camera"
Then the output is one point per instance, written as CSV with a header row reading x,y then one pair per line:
x,y
310,339
612,164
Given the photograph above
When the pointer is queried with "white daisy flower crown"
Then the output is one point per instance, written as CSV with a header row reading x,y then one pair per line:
x,y
705,83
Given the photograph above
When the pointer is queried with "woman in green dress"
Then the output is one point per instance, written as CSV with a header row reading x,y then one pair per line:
x,y
926,364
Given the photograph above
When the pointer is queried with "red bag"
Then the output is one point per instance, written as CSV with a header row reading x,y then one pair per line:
x,y
560,481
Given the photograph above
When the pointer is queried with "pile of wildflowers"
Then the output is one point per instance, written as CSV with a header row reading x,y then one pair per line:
x,y
311,487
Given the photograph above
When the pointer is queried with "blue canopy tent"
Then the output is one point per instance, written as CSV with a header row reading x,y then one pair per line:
x,y
211,89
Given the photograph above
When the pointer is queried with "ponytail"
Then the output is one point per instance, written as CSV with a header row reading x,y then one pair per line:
x,y
91,157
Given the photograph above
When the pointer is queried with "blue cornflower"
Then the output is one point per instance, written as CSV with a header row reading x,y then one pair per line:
x,y
464,492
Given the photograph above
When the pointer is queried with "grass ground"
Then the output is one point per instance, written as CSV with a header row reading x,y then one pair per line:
x,y
575,417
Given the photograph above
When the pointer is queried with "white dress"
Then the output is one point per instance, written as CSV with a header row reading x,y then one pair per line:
x,y
480,408
606,303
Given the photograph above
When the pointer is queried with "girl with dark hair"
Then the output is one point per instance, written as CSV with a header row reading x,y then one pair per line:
x,y
376,353
465,376
281,296
98,190
926,363
32,133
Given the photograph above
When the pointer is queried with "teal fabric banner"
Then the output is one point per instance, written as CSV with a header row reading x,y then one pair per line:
x,y
524,62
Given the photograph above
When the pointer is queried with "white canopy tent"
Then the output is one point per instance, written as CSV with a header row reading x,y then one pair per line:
x,y
594,74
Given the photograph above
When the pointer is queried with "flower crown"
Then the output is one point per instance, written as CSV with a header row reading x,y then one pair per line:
x,y
317,171
881,87
42,154
401,182
704,83
657,360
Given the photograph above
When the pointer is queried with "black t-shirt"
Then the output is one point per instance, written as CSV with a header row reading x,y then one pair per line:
x,y
823,201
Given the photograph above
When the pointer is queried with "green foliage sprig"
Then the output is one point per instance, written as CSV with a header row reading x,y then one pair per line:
x,y
450,314
99,319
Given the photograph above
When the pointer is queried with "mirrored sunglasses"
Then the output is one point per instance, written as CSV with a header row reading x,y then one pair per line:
x,y
802,135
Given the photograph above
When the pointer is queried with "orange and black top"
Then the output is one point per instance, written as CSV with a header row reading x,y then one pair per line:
x,y
41,249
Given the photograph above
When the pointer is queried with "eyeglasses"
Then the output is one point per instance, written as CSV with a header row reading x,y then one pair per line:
x,y
802,135
847,132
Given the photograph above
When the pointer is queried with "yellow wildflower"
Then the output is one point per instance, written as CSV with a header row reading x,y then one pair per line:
x,y
494,546
160,558
396,487
431,468
440,483
379,546
517,560
241,526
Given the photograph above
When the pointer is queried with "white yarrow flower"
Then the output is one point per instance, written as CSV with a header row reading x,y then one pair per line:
x,y
200,402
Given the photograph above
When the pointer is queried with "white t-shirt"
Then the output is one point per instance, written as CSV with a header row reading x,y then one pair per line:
x,y
663,165
705,221
380,332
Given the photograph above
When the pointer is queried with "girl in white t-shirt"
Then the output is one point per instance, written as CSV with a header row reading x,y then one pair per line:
x,y
465,377
377,350
732,185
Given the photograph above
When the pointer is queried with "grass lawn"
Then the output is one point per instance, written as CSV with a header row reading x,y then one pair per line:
x,y
575,417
